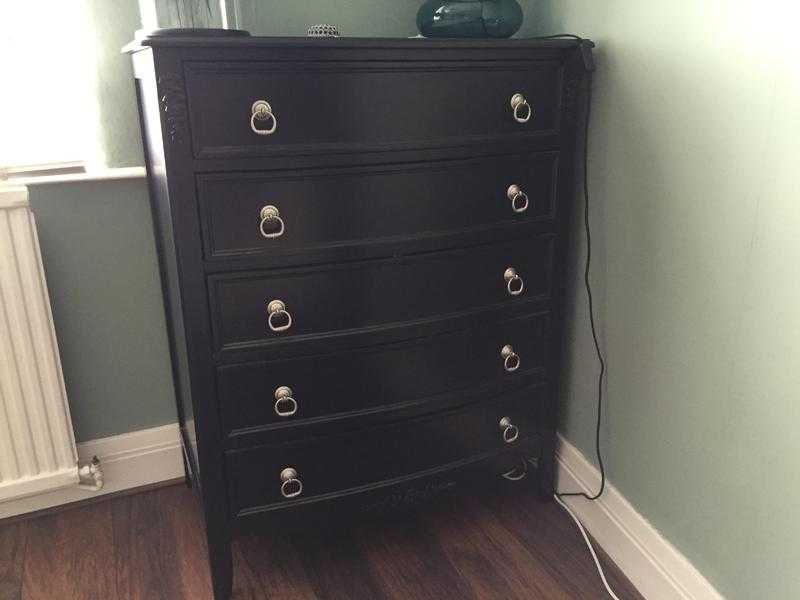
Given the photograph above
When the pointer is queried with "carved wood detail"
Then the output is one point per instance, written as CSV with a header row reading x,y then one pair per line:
x,y
173,105
410,496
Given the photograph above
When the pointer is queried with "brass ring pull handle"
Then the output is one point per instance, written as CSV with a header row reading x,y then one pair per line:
x,y
522,110
285,404
517,473
510,431
271,214
291,486
262,111
276,310
519,199
510,358
514,283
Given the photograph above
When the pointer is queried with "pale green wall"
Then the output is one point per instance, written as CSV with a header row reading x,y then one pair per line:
x,y
180,13
114,22
99,259
359,18
356,18
695,177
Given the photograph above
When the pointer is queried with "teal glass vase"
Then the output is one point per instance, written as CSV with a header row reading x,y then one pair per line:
x,y
469,18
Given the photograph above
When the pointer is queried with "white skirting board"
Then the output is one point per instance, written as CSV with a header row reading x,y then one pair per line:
x,y
657,569
129,460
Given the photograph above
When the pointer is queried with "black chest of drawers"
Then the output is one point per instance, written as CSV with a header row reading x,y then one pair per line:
x,y
362,247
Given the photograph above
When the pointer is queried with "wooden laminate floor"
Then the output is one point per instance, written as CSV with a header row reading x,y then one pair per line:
x,y
150,546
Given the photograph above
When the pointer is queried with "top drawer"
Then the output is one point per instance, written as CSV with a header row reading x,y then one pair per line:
x,y
346,107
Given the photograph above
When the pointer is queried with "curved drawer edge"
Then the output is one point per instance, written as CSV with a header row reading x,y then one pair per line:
x,y
530,444
418,407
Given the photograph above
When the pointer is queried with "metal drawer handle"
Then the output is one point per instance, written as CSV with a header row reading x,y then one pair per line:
x,y
285,404
277,309
518,473
522,110
519,199
510,358
271,214
262,111
510,431
291,486
514,283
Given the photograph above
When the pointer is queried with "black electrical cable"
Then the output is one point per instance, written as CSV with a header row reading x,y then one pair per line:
x,y
587,268
588,285
586,46
559,36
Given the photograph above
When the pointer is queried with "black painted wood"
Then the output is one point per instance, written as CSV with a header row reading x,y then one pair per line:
x,y
378,456
349,297
325,209
389,377
344,107
389,166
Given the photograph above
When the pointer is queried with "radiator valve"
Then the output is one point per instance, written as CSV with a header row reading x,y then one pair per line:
x,y
91,476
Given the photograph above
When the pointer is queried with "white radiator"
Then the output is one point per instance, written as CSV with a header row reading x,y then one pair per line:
x,y
37,445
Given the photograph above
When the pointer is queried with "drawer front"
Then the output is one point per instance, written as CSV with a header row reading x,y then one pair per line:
x,y
441,487
285,393
317,209
362,459
257,310
346,107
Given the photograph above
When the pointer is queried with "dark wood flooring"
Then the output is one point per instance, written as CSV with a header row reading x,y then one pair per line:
x,y
150,545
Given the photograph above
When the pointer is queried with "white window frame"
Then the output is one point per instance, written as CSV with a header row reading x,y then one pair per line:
x,y
13,173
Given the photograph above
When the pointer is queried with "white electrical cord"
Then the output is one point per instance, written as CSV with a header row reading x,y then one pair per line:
x,y
589,544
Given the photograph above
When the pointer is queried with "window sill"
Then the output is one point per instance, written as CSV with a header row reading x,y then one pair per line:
x,y
99,175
